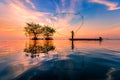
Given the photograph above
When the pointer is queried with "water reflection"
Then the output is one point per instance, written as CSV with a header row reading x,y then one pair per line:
x,y
88,61
72,45
110,73
73,42
35,47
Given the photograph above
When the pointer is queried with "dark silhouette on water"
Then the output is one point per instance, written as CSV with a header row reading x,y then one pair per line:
x,y
72,46
72,35
81,39
89,39
34,47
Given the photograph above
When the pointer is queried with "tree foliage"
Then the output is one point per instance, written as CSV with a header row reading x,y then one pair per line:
x,y
47,31
34,30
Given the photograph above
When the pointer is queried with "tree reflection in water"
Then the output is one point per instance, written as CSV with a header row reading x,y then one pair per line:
x,y
35,47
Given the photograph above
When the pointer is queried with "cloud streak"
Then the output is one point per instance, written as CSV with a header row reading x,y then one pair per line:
x,y
30,2
110,5
67,6
63,3
73,4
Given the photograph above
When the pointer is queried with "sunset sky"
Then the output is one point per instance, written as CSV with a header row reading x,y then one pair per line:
x,y
100,17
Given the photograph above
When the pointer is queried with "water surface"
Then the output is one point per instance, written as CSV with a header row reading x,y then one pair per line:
x,y
59,60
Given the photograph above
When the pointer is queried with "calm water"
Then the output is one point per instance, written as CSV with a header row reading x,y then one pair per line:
x,y
60,60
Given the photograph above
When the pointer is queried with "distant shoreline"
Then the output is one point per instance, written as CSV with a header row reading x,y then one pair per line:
x,y
53,39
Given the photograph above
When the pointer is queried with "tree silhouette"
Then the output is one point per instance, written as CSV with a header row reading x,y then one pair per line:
x,y
33,30
47,31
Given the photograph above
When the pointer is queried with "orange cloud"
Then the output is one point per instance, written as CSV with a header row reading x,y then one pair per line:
x,y
110,5
14,15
